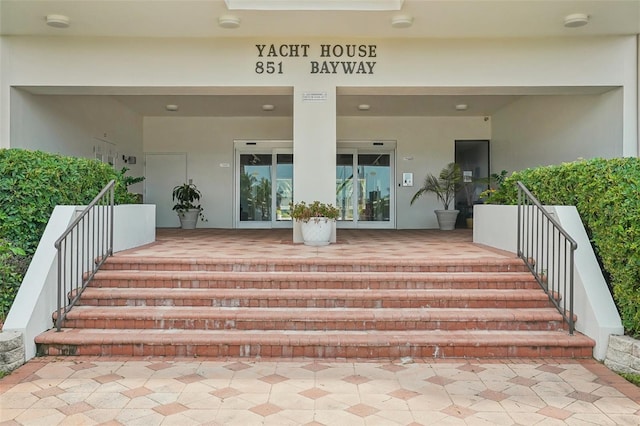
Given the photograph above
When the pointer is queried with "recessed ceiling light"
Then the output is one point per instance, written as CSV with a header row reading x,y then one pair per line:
x,y
268,107
57,21
229,21
402,21
364,107
462,107
576,20
172,107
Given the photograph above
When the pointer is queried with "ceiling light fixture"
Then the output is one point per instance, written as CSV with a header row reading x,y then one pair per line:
x,y
172,107
402,21
229,21
364,107
462,107
57,21
576,20
268,107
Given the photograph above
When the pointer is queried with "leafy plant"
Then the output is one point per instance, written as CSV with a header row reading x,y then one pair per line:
x,y
13,265
494,181
444,186
315,211
187,195
32,183
606,193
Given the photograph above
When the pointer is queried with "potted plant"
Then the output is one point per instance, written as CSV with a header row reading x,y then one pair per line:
x,y
187,195
444,186
316,221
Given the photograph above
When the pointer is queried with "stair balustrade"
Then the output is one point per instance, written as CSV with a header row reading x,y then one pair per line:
x,y
548,251
82,248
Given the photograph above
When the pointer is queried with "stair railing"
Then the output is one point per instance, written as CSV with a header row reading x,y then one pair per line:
x,y
82,249
548,251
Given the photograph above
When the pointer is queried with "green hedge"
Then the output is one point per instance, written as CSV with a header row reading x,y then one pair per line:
x,y
606,193
13,265
32,183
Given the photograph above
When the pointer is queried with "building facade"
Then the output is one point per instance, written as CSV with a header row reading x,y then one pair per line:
x,y
318,105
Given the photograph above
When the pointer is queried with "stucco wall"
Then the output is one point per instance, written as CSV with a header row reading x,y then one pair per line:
x,y
75,126
541,130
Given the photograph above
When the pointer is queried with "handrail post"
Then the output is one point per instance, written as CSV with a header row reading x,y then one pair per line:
x,y
80,263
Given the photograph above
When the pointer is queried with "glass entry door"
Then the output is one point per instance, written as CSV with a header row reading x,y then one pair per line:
x,y
264,185
365,188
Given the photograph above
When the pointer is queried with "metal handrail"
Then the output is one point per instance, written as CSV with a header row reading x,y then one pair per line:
x,y
548,251
82,248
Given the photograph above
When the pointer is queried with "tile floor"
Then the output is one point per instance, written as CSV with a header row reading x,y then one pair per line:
x,y
93,391
168,391
277,243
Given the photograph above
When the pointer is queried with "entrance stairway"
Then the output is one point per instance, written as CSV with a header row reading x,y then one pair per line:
x,y
320,308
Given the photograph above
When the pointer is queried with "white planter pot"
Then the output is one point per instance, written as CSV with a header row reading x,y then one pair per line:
x,y
317,232
447,219
189,218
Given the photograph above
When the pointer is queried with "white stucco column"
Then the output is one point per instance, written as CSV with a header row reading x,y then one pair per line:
x,y
314,145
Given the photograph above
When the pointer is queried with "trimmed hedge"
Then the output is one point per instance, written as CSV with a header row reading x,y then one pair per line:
x,y
606,194
32,183
13,266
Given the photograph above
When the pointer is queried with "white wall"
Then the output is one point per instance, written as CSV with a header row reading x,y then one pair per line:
x,y
598,318
428,141
208,141
126,62
71,125
437,65
542,130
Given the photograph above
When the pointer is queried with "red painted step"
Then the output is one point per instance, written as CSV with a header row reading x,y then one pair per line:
x,y
333,308
324,344
322,298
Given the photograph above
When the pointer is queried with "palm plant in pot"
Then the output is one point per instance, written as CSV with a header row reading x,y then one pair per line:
x,y
444,186
316,221
187,195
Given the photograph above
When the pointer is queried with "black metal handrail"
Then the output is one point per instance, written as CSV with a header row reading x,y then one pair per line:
x,y
548,251
82,248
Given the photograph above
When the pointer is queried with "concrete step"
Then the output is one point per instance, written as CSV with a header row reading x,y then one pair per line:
x,y
318,298
210,318
315,344
314,264
314,280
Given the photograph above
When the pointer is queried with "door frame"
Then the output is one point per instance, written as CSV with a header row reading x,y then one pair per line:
x,y
255,146
356,147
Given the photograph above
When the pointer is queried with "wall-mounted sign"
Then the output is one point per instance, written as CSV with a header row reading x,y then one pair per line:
x,y
343,59
314,96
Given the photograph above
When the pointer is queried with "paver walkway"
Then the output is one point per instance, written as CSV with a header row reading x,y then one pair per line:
x,y
91,391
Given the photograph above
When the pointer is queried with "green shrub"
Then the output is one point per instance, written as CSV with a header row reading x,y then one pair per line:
x,y
32,183
13,265
606,194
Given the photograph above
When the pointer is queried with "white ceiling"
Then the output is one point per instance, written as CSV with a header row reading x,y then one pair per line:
x,y
431,19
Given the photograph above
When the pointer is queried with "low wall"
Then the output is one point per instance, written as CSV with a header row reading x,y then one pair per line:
x,y
11,351
598,318
623,355
31,312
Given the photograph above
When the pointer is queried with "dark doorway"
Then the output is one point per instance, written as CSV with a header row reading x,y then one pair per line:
x,y
473,158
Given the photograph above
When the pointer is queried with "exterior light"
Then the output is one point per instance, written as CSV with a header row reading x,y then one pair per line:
x,y
576,20
402,21
229,21
58,21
